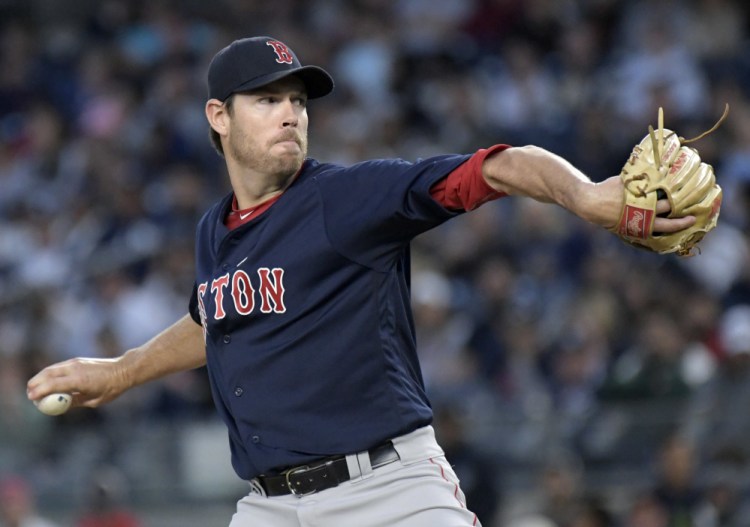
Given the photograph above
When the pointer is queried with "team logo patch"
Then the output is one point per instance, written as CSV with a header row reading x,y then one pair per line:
x,y
283,54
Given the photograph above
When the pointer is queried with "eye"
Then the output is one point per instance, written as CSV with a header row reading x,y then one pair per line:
x,y
300,101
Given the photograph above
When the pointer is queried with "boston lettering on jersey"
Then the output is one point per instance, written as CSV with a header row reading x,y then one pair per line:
x,y
236,291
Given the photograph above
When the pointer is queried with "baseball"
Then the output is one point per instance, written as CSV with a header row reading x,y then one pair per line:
x,y
54,403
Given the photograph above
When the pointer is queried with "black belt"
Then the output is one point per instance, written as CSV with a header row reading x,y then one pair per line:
x,y
321,474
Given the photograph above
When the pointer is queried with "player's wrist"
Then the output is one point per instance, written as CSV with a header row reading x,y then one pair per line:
x,y
126,369
600,203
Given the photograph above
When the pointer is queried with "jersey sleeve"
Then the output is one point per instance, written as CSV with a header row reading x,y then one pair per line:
x,y
465,188
374,208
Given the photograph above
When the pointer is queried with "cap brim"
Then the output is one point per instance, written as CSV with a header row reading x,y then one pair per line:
x,y
317,81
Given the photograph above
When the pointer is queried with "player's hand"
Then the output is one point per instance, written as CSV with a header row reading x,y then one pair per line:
x,y
608,203
92,382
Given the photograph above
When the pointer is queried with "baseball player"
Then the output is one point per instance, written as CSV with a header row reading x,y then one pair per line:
x,y
300,308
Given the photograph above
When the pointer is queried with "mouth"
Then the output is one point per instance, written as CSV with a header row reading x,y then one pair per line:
x,y
288,139
288,145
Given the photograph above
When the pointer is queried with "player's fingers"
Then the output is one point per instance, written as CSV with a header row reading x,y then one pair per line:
x,y
78,398
37,391
663,206
92,382
82,399
52,379
35,387
668,225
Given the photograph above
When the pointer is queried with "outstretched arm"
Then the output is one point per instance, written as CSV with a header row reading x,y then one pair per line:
x,y
97,381
539,174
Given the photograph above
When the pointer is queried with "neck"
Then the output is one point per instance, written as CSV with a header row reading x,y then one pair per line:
x,y
252,187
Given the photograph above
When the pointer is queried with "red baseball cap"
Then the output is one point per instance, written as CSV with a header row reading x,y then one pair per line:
x,y
250,63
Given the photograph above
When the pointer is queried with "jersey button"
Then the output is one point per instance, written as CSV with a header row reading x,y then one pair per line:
x,y
256,439
225,266
227,339
238,391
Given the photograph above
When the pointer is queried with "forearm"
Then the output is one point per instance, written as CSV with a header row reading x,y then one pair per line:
x,y
178,348
94,381
541,175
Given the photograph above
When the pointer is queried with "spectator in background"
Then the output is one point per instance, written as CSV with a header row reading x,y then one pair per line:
x,y
646,511
479,475
521,95
533,521
726,503
716,33
25,434
559,494
676,484
647,386
717,419
653,367
593,513
735,154
17,507
443,334
655,67
105,506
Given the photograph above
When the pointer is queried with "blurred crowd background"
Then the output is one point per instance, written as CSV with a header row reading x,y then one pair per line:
x,y
577,382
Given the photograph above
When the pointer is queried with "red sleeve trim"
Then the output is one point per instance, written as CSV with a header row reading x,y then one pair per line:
x,y
465,188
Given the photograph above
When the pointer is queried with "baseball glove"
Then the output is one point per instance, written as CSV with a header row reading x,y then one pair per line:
x,y
661,166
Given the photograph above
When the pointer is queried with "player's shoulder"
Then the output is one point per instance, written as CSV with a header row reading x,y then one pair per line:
x,y
315,166
392,170
315,169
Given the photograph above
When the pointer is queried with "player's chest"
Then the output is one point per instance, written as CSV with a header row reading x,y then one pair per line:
x,y
270,267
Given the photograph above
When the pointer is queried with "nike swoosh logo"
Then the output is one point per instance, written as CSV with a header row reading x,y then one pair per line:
x,y
243,216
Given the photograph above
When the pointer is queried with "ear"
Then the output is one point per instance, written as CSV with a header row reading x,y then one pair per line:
x,y
217,116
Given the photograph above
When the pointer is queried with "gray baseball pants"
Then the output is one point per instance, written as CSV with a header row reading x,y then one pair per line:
x,y
420,490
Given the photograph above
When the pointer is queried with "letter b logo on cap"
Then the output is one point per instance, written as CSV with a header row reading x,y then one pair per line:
x,y
283,54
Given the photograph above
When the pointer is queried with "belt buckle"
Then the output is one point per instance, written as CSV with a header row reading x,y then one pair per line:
x,y
289,485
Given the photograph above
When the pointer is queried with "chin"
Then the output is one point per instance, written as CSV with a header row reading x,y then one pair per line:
x,y
290,165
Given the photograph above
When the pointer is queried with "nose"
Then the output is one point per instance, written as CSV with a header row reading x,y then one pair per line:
x,y
291,117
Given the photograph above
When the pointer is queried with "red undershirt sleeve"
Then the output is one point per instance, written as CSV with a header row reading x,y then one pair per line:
x,y
465,188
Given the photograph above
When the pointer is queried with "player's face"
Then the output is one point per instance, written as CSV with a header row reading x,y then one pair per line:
x,y
268,128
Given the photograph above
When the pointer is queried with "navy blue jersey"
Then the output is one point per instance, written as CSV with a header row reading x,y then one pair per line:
x,y
309,336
